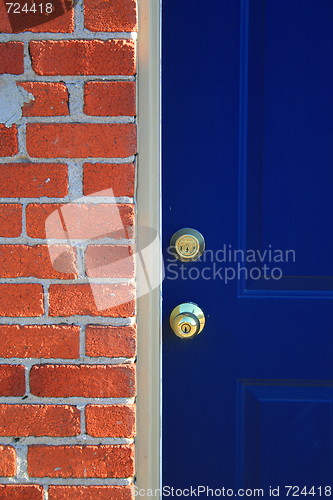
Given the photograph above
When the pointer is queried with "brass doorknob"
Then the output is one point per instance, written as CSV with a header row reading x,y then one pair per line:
x,y
187,320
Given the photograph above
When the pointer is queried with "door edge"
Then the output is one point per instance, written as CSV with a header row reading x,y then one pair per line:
x,y
148,440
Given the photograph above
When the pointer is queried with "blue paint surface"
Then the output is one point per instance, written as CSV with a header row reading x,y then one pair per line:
x,y
248,161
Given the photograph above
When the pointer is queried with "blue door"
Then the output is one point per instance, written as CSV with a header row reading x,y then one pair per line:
x,y
248,162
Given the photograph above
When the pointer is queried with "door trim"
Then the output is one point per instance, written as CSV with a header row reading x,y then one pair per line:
x,y
148,440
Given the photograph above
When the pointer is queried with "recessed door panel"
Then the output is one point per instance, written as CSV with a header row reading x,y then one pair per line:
x,y
281,425
286,139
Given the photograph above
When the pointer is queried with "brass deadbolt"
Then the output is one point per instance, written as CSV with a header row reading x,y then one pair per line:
x,y
188,244
187,320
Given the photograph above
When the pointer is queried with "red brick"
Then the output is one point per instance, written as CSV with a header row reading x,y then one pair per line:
x,y
81,140
7,462
110,98
61,24
72,221
21,492
111,420
10,220
81,461
39,341
109,261
8,140
39,420
102,179
21,299
111,341
51,99
11,58
90,493
110,15
5,26
83,57
87,381
33,180
39,261
92,300
12,380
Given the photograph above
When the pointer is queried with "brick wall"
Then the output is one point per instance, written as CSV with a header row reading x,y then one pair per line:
x,y
67,303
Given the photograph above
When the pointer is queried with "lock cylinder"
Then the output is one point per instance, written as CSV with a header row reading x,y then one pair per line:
x,y
186,325
187,244
187,320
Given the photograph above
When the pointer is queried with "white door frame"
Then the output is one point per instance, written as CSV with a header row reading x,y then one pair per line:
x,y
148,440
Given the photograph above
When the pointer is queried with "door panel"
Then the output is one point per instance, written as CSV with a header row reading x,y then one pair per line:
x,y
286,133
291,420
247,161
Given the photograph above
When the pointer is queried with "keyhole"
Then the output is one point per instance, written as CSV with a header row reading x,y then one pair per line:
x,y
185,328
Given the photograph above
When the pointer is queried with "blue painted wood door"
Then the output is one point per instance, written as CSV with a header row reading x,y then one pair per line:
x,y
248,161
